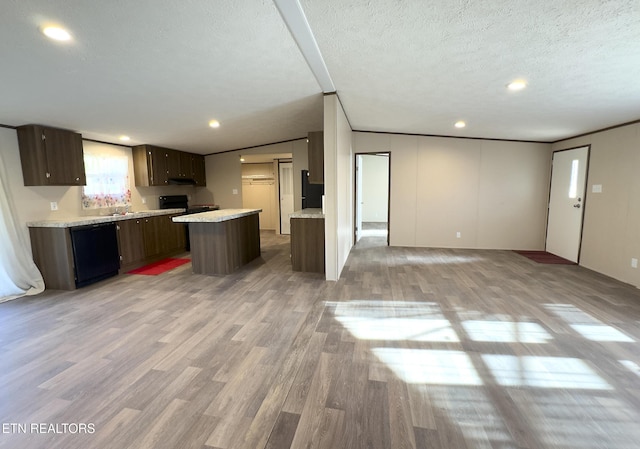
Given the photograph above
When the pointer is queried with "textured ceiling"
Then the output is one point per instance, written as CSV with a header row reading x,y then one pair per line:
x,y
159,70
418,66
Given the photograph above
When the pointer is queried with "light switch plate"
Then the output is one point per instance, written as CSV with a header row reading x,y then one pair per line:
x,y
458,235
634,263
596,188
54,205
235,191
144,200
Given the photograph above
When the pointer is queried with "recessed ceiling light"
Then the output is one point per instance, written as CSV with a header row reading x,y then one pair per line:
x,y
214,124
125,138
459,124
517,85
56,33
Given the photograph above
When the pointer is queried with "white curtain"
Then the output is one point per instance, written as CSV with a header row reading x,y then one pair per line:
x,y
19,275
107,171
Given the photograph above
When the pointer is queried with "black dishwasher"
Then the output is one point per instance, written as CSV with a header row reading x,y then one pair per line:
x,y
95,252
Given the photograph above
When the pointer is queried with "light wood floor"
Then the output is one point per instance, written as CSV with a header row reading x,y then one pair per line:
x,y
412,348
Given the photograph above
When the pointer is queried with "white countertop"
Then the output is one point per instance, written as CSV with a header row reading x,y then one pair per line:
x,y
307,213
215,216
89,220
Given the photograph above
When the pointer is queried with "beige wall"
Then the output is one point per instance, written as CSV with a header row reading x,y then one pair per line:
x,y
224,173
338,184
33,203
259,192
494,193
611,232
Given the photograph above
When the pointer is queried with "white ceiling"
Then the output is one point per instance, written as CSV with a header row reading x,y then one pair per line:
x,y
159,70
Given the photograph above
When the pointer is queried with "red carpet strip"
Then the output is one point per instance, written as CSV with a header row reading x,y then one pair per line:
x,y
162,266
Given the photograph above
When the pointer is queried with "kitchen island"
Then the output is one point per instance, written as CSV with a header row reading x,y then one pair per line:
x,y
224,240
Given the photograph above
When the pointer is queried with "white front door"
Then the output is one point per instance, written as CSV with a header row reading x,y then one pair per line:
x,y
566,202
286,196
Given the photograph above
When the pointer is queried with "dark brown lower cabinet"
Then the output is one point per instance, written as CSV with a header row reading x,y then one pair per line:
x,y
307,245
53,254
131,242
140,241
172,234
151,235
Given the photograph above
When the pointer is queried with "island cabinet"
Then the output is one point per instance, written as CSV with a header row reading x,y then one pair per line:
x,y
51,156
307,241
316,157
223,241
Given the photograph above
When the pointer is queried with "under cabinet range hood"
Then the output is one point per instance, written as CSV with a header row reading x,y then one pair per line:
x,y
182,181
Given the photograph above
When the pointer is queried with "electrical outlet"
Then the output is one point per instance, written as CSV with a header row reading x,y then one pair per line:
x,y
458,235
235,191
634,263
54,205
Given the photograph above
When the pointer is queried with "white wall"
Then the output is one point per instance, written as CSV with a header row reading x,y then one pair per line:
x,y
611,232
375,188
338,185
494,193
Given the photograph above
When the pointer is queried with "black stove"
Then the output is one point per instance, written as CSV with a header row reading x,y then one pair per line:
x,y
182,202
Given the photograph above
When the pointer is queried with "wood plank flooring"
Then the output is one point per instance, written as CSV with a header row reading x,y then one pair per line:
x,y
411,348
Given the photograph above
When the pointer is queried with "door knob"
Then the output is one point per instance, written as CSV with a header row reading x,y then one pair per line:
x,y
577,206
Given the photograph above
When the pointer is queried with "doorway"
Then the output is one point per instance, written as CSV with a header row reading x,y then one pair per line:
x,y
372,176
567,202
285,177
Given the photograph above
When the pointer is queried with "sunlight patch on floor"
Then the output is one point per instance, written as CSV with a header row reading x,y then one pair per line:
x,y
543,372
423,366
506,332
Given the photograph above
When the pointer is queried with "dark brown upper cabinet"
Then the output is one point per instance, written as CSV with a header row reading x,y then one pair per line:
x,y
198,171
173,164
150,165
185,165
316,157
51,156
156,166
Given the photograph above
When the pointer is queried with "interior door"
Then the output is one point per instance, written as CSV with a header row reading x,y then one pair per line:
x,y
566,202
286,196
358,197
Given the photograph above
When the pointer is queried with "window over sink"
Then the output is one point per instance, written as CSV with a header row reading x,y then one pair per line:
x,y
107,171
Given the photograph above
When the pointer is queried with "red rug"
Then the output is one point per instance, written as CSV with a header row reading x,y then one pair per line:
x,y
545,257
156,268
